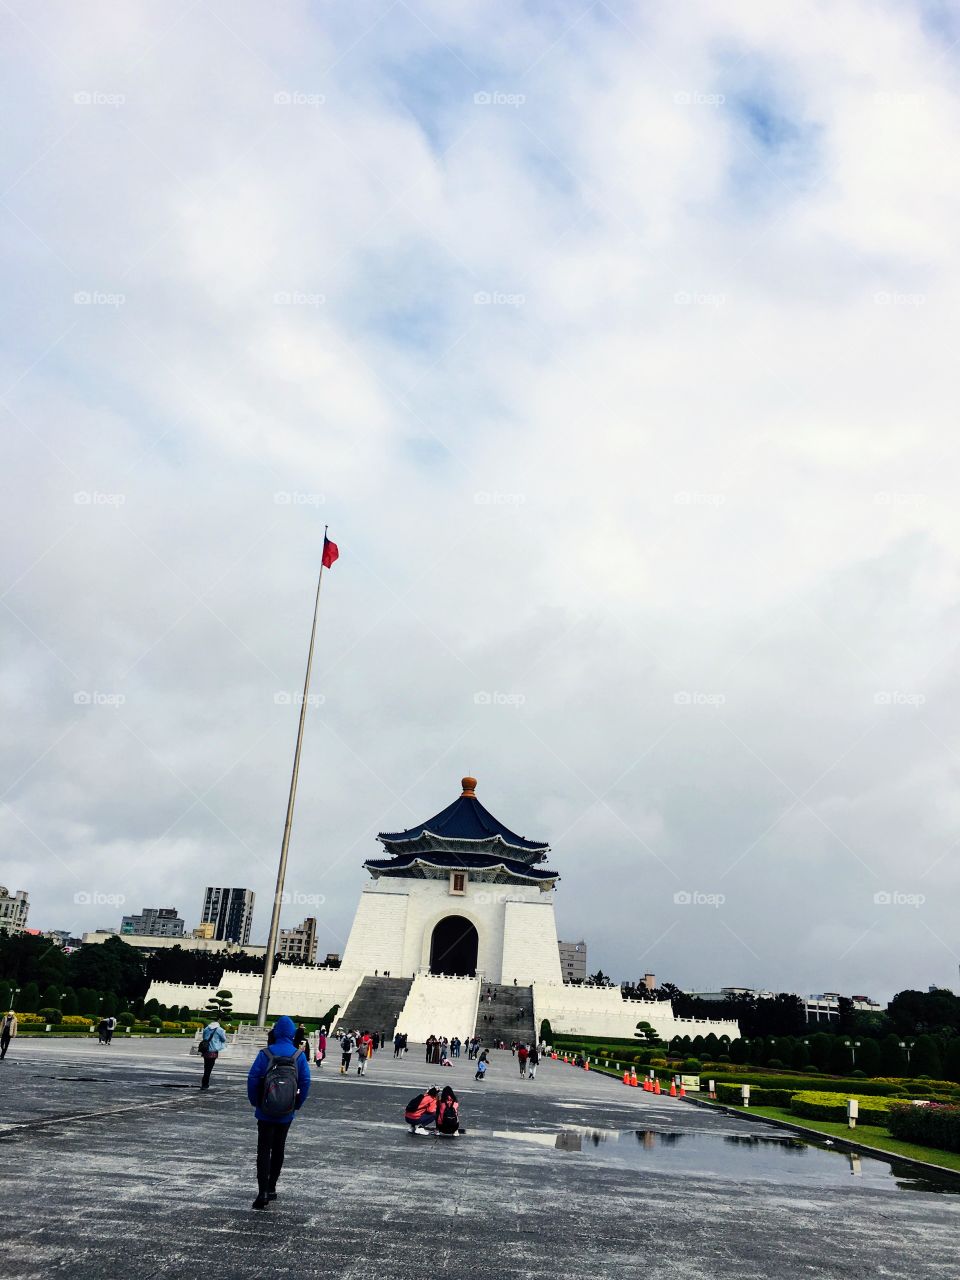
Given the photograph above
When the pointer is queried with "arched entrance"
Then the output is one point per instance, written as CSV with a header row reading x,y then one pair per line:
x,y
454,946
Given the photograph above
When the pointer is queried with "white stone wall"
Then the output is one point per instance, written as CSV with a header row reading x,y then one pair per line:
x,y
376,942
441,1007
396,917
602,1011
530,949
294,990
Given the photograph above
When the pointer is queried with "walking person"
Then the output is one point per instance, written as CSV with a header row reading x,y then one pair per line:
x,y
364,1053
347,1046
397,1045
277,1086
522,1054
8,1030
533,1061
321,1045
213,1038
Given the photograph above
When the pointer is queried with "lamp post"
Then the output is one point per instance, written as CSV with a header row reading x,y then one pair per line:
x,y
853,1046
906,1048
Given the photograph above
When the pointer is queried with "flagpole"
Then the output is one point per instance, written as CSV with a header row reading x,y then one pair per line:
x,y
285,843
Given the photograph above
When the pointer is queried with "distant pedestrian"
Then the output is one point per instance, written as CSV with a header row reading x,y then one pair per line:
x,y
8,1030
302,1040
277,1086
481,1068
213,1038
348,1046
321,1045
522,1054
364,1053
397,1045
533,1061
102,1031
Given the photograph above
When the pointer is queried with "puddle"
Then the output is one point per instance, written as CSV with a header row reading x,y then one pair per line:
x,y
742,1157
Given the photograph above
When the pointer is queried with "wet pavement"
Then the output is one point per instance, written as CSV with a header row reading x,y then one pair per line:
x,y
113,1161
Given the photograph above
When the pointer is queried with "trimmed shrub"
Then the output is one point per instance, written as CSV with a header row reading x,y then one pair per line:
x,y
76,1020
819,1105
658,1062
27,1019
126,1019
759,1097
691,1065
934,1126
852,1088
53,1016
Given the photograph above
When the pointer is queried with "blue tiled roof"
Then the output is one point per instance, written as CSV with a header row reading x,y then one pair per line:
x,y
460,861
465,819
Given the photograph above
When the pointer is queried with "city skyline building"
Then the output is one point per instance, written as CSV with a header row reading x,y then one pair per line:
x,y
230,911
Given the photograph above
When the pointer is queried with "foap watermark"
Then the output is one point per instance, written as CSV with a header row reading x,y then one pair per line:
x,y
897,898
696,98
887,498
491,897
498,98
896,698
483,298
94,898
686,298
296,498
298,298
289,698
494,498
297,98
693,498
696,898
94,498
97,698
695,698
891,298
493,698
98,298
294,898
98,98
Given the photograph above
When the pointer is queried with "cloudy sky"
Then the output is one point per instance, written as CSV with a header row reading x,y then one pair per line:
x,y
616,344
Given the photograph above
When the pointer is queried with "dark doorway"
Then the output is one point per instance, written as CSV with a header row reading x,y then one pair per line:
x,y
453,948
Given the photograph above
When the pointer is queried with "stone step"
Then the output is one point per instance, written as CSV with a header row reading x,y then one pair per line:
x,y
508,1016
376,1005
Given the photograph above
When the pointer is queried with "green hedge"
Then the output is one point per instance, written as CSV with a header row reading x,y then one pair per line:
x,y
933,1126
795,1084
759,1097
824,1105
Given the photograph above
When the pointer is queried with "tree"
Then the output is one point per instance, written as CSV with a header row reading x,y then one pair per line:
x,y
893,1060
840,1061
599,979
925,1058
5,990
52,996
916,1012
109,966
645,1033
28,1000
869,1057
70,1006
951,1061
221,1004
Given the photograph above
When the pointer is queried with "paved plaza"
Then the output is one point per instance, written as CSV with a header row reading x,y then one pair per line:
x,y
115,1164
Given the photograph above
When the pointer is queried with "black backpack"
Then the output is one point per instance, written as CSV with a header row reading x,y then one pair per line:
x,y
278,1092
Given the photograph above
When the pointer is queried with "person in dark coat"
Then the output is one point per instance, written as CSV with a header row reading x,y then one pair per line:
x,y
272,1130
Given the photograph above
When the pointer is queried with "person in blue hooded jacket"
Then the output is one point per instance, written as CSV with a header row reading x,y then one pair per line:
x,y
272,1130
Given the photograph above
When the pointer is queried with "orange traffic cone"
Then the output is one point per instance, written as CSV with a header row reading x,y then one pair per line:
x,y
633,1079
683,1092
626,1077
673,1089
656,1087
586,1065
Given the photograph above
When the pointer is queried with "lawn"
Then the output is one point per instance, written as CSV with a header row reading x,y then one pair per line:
x,y
870,1135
